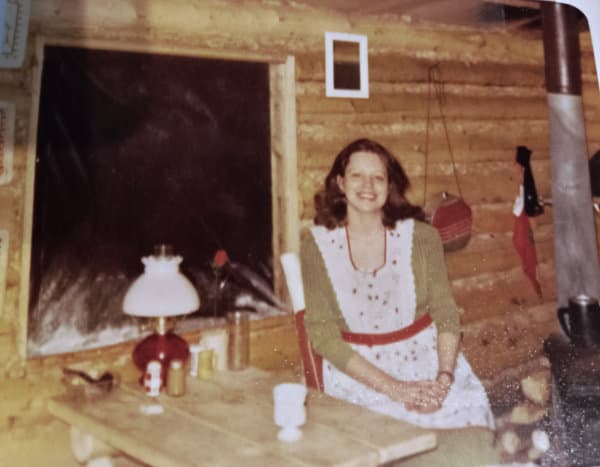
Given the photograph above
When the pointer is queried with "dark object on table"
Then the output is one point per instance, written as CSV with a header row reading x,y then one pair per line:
x,y
80,384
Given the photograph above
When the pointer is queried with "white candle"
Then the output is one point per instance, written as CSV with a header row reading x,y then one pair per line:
x,y
194,351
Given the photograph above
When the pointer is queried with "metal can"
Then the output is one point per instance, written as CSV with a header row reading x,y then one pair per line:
x,y
238,348
176,379
152,378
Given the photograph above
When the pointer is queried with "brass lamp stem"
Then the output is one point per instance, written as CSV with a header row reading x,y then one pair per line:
x,y
161,325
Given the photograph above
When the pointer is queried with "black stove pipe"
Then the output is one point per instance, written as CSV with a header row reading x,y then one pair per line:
x,y
575,249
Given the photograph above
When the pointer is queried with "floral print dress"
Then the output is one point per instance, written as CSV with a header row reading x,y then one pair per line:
x,y
384,301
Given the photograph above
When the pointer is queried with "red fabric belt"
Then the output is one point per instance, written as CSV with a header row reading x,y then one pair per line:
x,y
388,337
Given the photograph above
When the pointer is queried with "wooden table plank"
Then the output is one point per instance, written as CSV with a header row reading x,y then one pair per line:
x,y
162,440
392,438
321,444
228,420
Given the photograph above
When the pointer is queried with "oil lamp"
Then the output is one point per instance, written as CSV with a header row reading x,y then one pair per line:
x,y
161,292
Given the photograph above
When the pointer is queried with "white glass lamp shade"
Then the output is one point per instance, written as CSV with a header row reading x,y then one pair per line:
x,y
162,290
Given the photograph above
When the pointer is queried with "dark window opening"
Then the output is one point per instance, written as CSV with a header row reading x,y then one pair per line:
x,y
134,150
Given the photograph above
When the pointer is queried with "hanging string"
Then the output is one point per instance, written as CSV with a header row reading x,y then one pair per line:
x,y
427,136
435,82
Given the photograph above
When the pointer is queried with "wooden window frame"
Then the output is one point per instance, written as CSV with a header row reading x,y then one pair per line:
x,y
284,194
363,63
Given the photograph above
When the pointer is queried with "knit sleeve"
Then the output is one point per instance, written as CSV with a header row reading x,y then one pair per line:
x,y
435,293
323,318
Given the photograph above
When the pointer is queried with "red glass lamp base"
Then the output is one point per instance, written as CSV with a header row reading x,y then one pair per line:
x,y
161,347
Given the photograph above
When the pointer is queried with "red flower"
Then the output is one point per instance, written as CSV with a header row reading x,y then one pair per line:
x,y
220,259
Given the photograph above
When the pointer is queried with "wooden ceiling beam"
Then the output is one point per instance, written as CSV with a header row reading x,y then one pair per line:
x,y
520,23
531,4
398,7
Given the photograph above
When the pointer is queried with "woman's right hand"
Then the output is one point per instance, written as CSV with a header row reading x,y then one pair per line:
x,y
419,396
422,396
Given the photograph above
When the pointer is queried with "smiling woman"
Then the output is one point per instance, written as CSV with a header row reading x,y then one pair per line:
x,y
379,306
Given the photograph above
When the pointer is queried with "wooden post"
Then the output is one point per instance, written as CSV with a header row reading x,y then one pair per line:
x,y
286,220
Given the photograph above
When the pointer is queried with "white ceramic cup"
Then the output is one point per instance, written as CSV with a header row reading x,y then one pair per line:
x,y
289,411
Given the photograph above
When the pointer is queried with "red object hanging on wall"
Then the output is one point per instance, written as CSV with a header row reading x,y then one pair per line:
x,y
524,244
452,218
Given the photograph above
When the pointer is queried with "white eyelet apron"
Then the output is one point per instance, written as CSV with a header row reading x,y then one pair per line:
x,y
386,302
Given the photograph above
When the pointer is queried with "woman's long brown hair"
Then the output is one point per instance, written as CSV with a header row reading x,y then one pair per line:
x,y
330,202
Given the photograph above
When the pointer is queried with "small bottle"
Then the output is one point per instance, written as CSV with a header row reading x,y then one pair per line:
x,y
206,360
176,379
152,378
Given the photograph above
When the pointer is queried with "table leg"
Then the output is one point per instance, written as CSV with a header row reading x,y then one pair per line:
x,y
90,450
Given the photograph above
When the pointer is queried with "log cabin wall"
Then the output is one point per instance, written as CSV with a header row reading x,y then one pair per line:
x,y
495,100
493,103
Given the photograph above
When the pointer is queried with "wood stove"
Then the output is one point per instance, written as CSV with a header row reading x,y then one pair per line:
x,y
575,402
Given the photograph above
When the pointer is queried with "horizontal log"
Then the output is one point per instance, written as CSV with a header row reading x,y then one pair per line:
x,y
322,159
408,140
496,218
396,67
388,106
467,43
492,261
310,185
509,340
491,255
472,134
500,188
463,263
397,91
487,218
495,293
286,27
501,182
224,26
440,173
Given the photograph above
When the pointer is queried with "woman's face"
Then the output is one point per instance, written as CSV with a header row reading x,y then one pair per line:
x,y
365,182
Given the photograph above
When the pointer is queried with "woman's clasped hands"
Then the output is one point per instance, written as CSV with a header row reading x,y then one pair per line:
x,y
423,396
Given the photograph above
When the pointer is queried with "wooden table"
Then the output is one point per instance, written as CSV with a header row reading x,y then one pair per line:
x,y
228,421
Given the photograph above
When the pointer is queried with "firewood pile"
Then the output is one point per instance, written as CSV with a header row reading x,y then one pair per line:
x,y
522,407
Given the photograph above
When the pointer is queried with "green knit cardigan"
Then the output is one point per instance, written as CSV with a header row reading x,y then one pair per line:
x,y
323,318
